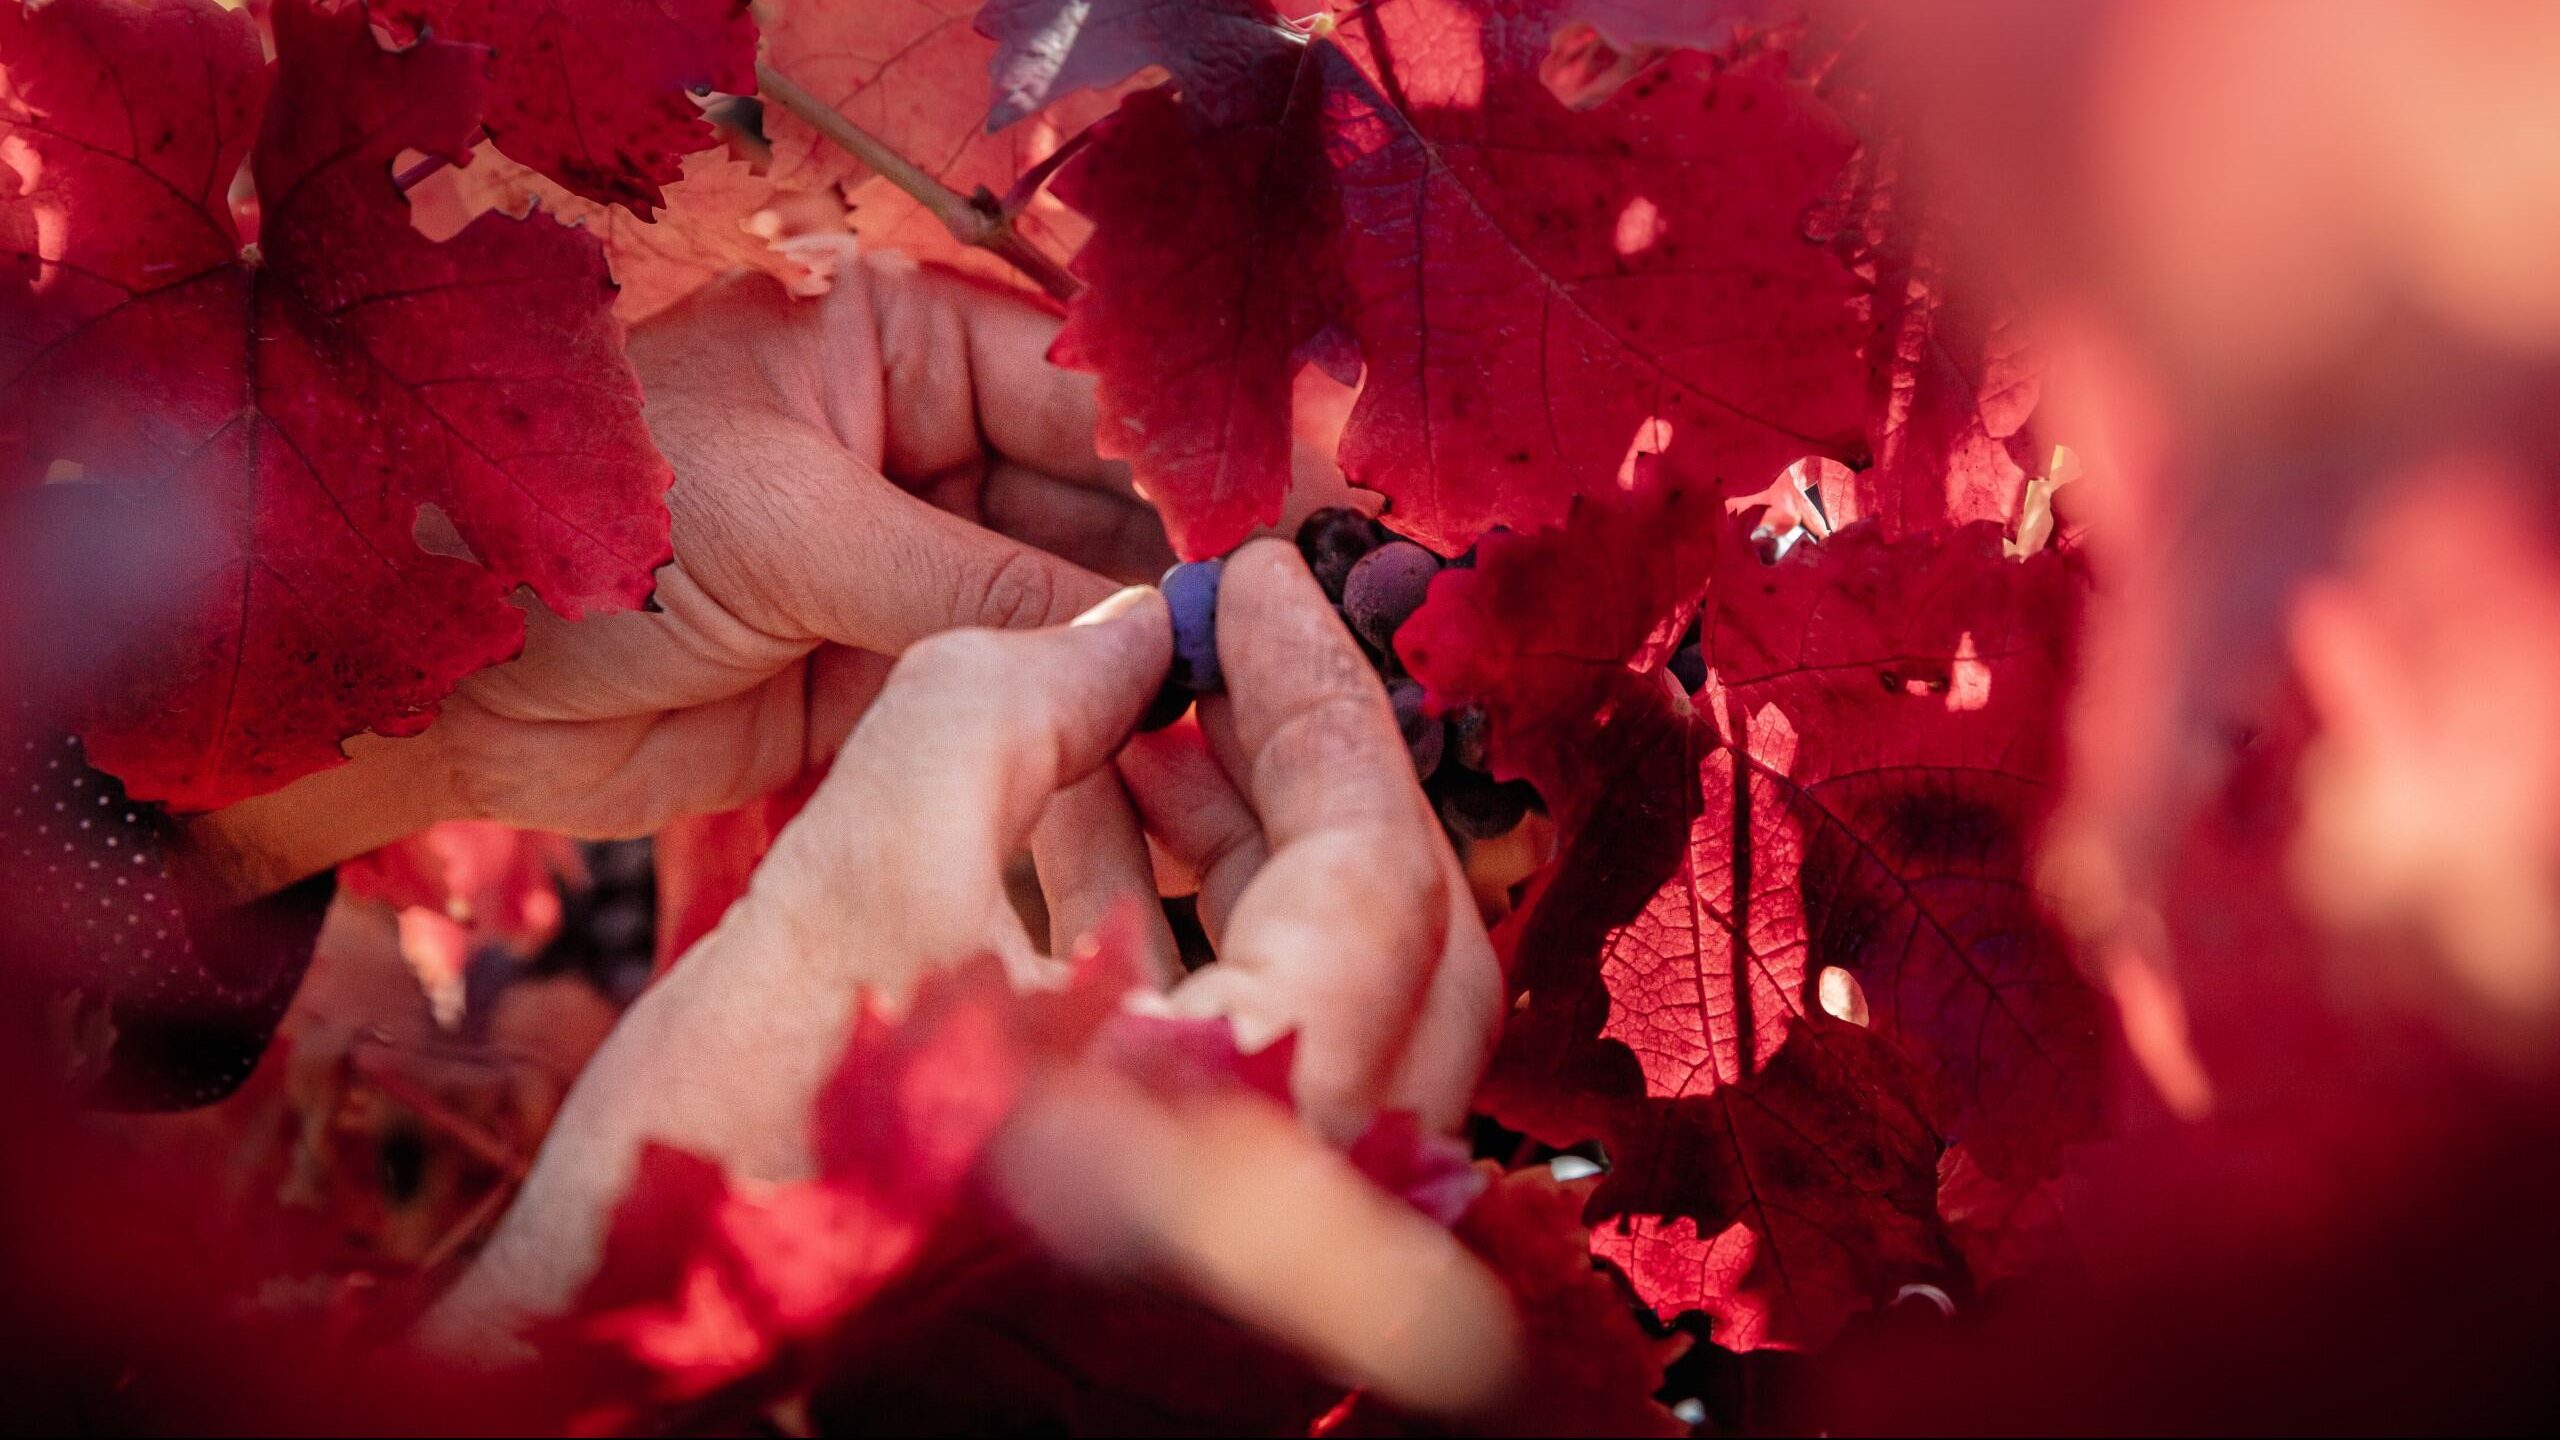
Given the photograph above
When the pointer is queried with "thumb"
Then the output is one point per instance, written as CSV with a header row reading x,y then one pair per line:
x,y
952,766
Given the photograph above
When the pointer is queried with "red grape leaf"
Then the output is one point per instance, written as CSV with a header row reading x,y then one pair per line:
x,y
1952,384
1781,1206
910,72
913,74
592,92
708,1285
1587,1365
1531,285
1856,787
1529,288
381,373
1196,367
1771,1166
720,216
1050,48
717,1289
1700,23
989,1334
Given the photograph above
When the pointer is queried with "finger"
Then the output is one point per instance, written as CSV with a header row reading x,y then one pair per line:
x,y
1195,812
1340,934
966,370
801,541
651,765
1317,746
943,779
1434,1074
690,651
1105,533
1265,1224
1453,1040
1091,857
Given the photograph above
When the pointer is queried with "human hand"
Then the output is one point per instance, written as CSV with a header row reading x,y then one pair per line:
x,y
979,738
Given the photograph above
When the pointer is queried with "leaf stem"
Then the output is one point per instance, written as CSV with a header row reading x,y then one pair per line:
x,y
1028,187
408,180
980,220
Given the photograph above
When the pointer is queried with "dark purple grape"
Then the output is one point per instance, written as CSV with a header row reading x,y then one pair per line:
x,y
1385,588
1467,737
1191,592
1689,667
1481,807
1332,540
1425,737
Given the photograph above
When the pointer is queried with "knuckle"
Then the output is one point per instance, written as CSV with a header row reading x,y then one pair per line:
x,y
1340,733
1018,591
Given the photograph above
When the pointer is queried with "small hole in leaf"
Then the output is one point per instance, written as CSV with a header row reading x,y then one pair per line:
x,y
1841,996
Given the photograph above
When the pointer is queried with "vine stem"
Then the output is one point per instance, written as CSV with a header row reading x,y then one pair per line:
x,y
980,220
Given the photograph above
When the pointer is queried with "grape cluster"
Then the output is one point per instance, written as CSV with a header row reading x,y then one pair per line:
x,y
1375,582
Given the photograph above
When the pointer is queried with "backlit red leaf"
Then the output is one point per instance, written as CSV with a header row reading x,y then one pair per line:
x,y
1196,363
1588,1366
1529,288
720,215
909,72
1952,384
593,92
913,75
1853,789
315,390
709,1282
1530,285
1050,48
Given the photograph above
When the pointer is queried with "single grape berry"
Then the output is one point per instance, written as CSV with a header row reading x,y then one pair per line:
x,y
1332,540
1191,593
1689,667
1481,807
1425,738
1385,588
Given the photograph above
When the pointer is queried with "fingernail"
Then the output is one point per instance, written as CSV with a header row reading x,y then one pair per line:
x,y
1113,606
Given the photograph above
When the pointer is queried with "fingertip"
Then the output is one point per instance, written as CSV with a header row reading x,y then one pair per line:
x,y
1267,561
1136,624
1119,604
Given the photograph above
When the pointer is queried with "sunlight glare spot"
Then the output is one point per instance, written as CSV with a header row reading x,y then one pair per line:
x,y
1842,997
1653,437
1969,677
1640,226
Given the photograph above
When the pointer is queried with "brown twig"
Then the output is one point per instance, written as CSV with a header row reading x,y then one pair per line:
x,y
980,220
